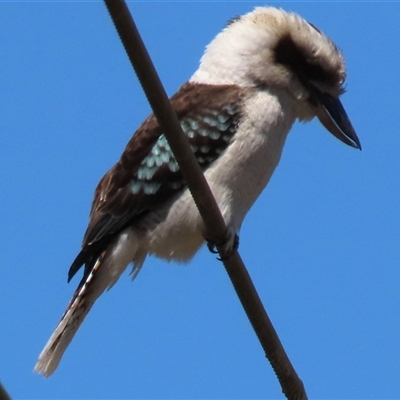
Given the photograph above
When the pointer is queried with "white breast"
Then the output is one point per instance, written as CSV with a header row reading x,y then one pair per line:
x,y
175,231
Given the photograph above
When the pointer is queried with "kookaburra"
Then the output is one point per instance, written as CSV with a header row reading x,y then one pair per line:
x,y
264,71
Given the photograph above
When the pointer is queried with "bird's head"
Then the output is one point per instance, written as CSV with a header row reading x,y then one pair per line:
x,y
270,48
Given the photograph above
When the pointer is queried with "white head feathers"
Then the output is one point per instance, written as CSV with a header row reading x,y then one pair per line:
x,y
271,47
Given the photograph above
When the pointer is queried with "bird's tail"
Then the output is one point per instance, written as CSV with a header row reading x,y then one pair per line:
x,y
79,306
101,273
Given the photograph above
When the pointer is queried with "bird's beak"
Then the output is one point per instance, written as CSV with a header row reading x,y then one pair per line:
x,y
334,118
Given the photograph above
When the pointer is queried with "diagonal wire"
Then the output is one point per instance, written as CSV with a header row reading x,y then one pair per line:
x,y
216,229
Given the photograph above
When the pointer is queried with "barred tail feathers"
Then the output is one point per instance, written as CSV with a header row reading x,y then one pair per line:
x,y
106,270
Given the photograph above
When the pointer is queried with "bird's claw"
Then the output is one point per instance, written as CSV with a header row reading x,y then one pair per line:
x,y
227,248
212,247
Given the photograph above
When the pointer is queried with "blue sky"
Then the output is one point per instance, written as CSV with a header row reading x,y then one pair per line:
x,y
321,243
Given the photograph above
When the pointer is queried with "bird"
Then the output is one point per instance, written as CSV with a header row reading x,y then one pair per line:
x,y
263,72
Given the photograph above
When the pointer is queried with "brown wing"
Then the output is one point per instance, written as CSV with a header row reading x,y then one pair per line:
x,y
147,173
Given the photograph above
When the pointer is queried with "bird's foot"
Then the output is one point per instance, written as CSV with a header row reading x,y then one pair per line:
x,y
227,248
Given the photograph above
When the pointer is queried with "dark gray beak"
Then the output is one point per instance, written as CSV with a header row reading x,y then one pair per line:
x,y
334,118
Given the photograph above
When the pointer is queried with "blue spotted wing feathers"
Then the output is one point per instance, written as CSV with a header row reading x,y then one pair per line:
x,y
147,173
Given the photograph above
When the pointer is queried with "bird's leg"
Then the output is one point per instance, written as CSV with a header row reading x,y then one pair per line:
x,y
227,247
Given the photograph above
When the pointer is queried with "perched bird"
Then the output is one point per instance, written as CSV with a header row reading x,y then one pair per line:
x,y
263,72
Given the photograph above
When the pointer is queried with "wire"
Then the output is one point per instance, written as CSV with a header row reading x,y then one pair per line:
x,y
291,384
